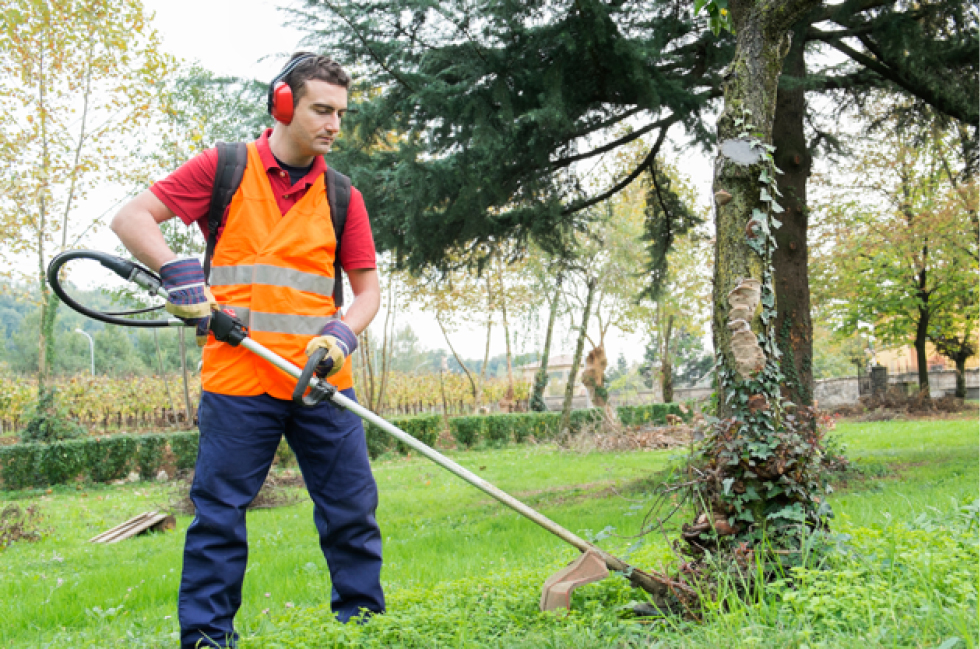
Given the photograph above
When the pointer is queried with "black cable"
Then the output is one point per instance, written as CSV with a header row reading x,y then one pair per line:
x,y
128,270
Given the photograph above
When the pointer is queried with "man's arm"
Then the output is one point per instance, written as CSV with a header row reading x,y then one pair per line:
x,y
367,298
138,227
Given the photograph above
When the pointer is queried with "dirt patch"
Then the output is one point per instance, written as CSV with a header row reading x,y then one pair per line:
x,y
648,437
279,490
21,524
896,405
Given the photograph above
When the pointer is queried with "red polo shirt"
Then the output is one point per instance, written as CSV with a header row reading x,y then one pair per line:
x,y
187,192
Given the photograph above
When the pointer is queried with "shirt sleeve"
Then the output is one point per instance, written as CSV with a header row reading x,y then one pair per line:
x,y
357,246
187,191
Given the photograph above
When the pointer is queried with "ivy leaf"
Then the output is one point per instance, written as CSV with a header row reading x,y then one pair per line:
x,y
727,483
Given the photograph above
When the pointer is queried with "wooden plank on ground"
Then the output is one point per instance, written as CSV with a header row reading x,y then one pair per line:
x,y
136,525
118,528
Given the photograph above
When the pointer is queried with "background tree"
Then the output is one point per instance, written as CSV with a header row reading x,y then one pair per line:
x,y
905,263
507,103
849,53
81,84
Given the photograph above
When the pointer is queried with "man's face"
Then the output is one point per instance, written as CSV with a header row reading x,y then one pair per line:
x,y
316,118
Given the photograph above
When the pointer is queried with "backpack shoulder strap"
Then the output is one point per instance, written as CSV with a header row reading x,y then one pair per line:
x,y
338,196
232,158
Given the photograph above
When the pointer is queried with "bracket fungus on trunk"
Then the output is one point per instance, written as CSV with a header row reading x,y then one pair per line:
x,y
744,300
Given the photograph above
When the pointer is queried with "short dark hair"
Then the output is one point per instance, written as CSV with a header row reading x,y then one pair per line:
x,y
317,67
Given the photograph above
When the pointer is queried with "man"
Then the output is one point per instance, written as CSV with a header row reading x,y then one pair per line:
x,y
273,264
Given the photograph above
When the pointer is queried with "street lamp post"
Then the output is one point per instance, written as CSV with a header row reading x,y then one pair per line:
x,y
91,348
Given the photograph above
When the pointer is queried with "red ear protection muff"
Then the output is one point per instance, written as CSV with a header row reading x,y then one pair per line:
x,y
282,102
280,98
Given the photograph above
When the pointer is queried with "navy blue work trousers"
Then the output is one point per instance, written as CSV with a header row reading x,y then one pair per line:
x,y
239,438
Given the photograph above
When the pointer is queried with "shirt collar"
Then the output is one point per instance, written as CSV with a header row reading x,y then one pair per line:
x,y
269,160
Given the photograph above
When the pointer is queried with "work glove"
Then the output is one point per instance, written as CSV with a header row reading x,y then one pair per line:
x,y
203,327
189,298
339,340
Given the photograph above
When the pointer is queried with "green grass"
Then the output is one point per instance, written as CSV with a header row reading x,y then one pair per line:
x,y
461,570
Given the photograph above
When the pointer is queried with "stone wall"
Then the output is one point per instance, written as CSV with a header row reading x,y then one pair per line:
x,y
828,393
831,393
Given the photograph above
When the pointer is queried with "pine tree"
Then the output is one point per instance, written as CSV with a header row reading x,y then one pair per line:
x,y
481,113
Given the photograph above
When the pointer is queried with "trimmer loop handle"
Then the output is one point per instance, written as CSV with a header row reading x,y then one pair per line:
x,y
322,390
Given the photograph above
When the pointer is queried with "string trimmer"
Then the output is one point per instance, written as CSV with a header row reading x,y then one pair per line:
x,y
593,565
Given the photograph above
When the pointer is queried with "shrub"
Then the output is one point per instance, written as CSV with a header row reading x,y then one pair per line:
x,y
150,454
184,448
19,466
468,430
378,441
110,458
424,428
581,419
545,425
61,462
48,420
498,429
284,454
655,413
522,426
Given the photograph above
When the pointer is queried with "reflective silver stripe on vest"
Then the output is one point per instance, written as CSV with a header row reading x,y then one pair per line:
x,y
241,312
281,323
272,276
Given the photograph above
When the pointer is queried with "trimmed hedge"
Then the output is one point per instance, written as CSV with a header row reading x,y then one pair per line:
x,y
184,448
24,466
655,413
425,428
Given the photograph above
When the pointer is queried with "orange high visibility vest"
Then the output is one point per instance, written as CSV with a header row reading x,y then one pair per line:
x,y
277,272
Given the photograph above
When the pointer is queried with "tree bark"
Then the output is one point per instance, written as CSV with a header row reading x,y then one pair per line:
x,y
793,327
750,101
666,366
921,331
183,373
541,378
566,409
960,376
475,385
163,376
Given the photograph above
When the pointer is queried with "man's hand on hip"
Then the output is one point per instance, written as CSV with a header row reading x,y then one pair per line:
x,y
189,297
340,342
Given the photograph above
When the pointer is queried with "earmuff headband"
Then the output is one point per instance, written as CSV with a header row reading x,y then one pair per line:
x,y
282,75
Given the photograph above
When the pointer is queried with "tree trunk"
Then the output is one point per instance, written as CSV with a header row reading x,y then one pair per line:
x,y
365,348
748,442
750,96
541,378
566,409
503,315
921,331
960,361
594,375
666,365
183,373
163,376
476,387
794,329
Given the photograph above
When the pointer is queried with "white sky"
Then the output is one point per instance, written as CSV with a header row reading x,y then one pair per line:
x,y
248,38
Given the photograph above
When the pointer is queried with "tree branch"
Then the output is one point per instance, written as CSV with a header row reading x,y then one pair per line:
x,y
565,162
581,205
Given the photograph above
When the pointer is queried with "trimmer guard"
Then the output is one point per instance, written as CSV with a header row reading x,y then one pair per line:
x,y
557,591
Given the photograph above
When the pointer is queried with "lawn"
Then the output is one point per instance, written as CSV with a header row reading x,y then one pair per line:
x,y
463,571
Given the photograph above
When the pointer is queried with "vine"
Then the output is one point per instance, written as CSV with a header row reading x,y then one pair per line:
x,y
760,471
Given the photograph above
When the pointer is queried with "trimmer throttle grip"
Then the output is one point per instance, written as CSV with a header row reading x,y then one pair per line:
x,y
318,393
227,328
